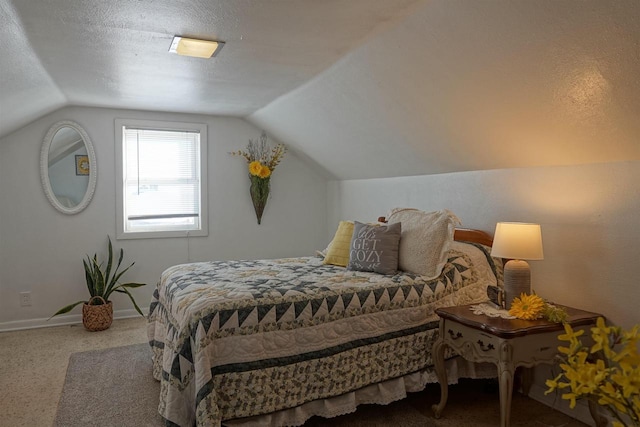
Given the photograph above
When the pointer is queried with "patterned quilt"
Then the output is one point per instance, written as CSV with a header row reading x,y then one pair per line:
x,y
234,339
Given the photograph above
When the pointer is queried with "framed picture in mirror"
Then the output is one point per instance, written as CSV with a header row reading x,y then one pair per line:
x,y
82,164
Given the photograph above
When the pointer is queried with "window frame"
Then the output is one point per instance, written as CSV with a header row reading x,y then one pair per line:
x,y
120,182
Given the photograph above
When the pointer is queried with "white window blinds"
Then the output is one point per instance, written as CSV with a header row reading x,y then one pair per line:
x,y
161,180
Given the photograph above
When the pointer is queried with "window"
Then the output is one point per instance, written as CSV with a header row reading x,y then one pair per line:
x,y
161,179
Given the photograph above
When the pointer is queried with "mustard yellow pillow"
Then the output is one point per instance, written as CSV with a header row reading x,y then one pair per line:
x,y
338,253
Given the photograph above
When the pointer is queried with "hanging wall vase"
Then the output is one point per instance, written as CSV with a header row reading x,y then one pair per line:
x,y
259,194
262,160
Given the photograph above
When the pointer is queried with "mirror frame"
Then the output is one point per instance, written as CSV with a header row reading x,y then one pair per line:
x,y
44,167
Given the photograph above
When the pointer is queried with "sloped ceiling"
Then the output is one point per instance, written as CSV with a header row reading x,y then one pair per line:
x,y
475,85
362,88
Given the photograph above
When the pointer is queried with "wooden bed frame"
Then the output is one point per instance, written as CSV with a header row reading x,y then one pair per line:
x,y
472,235
465,235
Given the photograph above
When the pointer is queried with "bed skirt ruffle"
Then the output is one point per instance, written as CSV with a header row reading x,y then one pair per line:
x,y
382,393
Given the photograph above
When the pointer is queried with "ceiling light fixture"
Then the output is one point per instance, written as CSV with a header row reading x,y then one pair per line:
x,y
195,47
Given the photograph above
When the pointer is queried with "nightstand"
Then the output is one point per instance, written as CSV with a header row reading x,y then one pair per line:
x,y
508,343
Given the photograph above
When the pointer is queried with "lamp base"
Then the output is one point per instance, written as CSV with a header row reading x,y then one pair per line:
x,y
517,280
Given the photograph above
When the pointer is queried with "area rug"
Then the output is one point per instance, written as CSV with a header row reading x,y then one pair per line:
x,y
111,387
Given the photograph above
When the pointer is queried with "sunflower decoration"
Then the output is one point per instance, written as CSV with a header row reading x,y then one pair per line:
x,y
258,169
262,160
527,307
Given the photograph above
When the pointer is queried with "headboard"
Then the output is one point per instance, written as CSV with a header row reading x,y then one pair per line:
x,y
472,235
466,235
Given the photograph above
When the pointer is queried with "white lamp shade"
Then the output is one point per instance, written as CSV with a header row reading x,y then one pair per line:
x,y
517,240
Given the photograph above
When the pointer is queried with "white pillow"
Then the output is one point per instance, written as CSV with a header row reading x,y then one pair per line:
x,y
425,240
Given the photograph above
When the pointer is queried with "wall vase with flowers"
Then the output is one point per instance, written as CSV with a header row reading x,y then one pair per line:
x,y
262,160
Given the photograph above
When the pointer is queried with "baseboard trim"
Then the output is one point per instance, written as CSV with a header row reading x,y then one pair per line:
x,y
555,401
66,319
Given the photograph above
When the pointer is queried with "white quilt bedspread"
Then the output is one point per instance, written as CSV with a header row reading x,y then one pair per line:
x,y
243,338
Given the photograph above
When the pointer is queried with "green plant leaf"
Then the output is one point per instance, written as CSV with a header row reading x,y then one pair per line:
x,y
113,280
125,291
67,308
109,262
120,259
116,277
132,285
98,277
88,273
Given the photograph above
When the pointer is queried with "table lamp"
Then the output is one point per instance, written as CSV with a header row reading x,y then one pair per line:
x,y
517,242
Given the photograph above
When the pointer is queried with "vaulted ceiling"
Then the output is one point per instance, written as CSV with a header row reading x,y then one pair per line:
x,y
362,88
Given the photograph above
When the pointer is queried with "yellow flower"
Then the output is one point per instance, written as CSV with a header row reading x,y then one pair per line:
x,y
572,399
527,307
611,378
255,168
600,335
629,355
628,379
553,384
265,172
571,336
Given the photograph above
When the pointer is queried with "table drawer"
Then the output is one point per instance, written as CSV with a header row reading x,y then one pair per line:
x,y
471,343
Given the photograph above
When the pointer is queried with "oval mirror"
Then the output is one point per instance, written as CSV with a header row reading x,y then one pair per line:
x,y
68,167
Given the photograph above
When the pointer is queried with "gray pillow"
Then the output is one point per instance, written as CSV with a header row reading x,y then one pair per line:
x,y
374,248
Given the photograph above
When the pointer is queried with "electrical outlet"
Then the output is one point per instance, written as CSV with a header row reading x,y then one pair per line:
x,y
25,299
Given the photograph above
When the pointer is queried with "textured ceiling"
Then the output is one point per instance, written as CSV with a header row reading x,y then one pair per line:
x,y
361,88
114,53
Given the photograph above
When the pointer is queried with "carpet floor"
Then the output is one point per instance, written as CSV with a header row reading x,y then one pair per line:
x,y
114,387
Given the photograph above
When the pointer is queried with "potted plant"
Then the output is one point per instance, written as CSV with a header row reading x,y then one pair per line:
x,y
97,312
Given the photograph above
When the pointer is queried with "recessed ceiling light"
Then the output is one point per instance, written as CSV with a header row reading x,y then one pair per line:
x,y
194,47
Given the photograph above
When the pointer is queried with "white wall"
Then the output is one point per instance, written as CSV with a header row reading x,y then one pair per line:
x,y
590,217
41,249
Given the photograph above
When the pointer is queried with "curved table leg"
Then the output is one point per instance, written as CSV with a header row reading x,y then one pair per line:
x,y
506,371
441,372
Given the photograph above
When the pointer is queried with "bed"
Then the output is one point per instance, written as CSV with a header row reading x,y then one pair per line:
x,y
274,342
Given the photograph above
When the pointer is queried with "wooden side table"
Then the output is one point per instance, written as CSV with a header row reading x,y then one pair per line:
x,y
508,343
